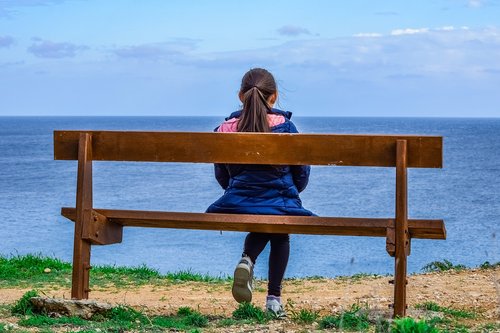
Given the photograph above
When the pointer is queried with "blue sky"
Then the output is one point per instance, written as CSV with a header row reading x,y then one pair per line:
x,y
331,58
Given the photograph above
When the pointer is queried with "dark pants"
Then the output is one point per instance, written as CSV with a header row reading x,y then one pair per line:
x,y
278,257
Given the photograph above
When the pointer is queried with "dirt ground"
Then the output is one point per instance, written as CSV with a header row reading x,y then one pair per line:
x,y
477,290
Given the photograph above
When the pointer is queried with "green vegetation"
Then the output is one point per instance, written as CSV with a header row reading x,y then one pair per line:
x,y
488,265
29,269
431,306
23,306
441,266
382,325
45,321
190,276
354,319
358,277
35,270
248,311
409,325
124,318
118,319
39,271
450,322
304,316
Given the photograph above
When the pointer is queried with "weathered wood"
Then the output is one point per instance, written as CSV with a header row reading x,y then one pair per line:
x,y
81,249
401,235
390,241
313,225
102,231
252,148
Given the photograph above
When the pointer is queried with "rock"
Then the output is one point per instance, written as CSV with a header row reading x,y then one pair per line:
x,y
11,327
70,307
47,270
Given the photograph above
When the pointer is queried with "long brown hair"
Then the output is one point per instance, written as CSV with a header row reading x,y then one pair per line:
x,y
257,85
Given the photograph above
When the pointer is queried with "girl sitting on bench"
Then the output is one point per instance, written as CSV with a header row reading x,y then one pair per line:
x,y
260,189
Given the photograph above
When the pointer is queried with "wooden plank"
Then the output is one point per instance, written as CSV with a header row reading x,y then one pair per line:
x,y
390,239
252,148
402,235
102,231
81,249
314,225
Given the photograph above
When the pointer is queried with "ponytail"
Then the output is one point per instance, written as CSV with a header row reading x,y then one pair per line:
x,y
256,87
254,115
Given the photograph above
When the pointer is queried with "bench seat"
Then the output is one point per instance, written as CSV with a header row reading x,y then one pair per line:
x,y
311,225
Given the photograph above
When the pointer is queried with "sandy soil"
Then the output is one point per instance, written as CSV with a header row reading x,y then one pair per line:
x,y
477,290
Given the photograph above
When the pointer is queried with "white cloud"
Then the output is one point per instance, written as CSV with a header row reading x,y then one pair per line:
x,y
409,31
368,34
446,28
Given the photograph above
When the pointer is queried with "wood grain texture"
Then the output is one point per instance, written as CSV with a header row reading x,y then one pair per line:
x,y
102,231
402,235
313,225
252,148
82,247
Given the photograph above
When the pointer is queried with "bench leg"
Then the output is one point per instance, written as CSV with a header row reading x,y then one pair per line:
x,y
81,266
401,232
400,282
81,250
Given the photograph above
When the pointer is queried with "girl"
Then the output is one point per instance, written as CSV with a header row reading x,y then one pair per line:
x,y
260,189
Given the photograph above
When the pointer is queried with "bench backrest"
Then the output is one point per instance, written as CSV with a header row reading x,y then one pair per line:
x,y
252,148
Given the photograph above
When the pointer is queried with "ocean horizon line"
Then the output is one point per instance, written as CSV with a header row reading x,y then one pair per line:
x,y
225,115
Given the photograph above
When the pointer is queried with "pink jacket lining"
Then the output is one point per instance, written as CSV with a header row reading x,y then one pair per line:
x,y
231,125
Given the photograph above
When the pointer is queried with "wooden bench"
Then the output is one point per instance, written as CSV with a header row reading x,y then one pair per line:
x,y
104,226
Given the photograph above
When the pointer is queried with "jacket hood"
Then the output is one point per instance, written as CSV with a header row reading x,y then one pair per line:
x,y
286,114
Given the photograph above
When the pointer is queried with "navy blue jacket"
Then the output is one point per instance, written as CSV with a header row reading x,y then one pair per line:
x,y
262,189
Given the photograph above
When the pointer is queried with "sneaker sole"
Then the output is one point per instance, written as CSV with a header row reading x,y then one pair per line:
x,y
242,292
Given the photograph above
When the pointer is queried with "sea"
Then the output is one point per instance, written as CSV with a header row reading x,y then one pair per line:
x,y
465,194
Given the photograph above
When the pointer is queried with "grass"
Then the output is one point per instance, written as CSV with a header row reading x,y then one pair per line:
x,y
355,319
23,306
124,318
305,316
249,312
450,322
118,319
23,270
36,270
431,306
409,325
358,277
188,275
302,316
441,266
488,265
